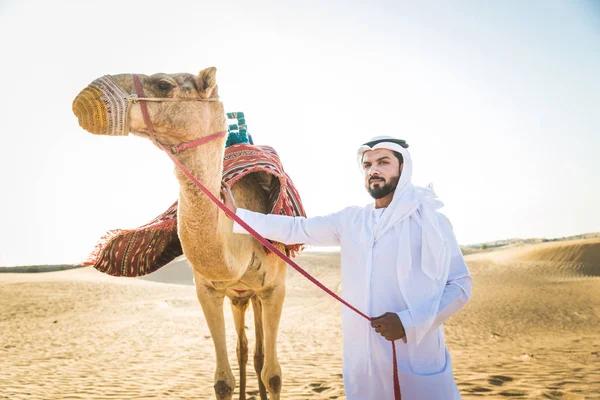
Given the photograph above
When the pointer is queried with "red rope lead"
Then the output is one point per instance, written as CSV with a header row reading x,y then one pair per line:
x,y
267,244
258,237
397,394
248,228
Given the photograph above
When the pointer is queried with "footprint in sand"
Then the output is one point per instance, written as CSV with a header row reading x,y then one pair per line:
x,y
554,394
513,393
499,380
479,389
317,387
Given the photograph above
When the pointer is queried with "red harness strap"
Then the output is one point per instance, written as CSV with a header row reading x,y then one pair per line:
x,y
248,228
172,149
197,142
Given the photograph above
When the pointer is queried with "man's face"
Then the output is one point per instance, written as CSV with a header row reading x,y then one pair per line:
x,y
382,171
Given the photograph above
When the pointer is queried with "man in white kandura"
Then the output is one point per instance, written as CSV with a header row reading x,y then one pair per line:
x,y
401,262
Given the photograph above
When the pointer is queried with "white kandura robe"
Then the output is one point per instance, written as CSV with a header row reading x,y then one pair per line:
x,y
371,283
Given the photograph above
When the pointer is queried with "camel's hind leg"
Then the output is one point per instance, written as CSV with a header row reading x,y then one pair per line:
x,y
212,305
259,350
239,308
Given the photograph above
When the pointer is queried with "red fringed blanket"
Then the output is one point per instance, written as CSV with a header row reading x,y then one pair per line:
x,y
141,251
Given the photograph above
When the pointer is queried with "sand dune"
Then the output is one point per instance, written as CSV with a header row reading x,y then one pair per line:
x,y
532,326
531,330
576,257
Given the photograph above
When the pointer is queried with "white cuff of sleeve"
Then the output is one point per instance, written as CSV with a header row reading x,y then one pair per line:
x,y
242,213
408,324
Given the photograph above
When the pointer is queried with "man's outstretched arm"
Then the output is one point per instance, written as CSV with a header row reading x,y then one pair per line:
x,y
316,231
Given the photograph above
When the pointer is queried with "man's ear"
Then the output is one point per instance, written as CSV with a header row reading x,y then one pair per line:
x,y
207,83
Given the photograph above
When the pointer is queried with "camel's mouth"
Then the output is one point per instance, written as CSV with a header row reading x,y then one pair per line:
x,y
102,108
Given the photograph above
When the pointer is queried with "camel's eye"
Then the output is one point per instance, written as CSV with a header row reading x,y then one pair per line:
x,y
165,86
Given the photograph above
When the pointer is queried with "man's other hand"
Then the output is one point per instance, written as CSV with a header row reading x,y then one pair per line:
x,y
389,326
227,197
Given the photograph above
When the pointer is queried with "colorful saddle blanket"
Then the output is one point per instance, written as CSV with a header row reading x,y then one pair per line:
x,y
141,251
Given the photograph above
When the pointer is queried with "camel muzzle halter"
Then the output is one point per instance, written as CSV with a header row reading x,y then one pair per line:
x,y
103,108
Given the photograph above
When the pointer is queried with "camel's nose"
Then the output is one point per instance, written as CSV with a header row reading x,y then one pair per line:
x,y
91,111
102,108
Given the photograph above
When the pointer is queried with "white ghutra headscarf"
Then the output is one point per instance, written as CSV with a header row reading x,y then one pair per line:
x,y
424,291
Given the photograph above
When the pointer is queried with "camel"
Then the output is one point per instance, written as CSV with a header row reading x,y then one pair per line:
x,y
224,264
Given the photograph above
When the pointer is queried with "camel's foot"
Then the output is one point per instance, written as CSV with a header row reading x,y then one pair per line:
x,y
275,384
223,391
272,380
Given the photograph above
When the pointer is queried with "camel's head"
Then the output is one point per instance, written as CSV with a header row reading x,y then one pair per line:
x,y
107,106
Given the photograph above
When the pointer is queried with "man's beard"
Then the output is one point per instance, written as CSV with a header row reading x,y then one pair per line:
x,y
384,187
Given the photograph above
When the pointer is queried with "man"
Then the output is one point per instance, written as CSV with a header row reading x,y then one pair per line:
x,y
400,262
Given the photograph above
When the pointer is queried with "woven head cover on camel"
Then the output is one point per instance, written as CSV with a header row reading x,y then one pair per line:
x,y
141,251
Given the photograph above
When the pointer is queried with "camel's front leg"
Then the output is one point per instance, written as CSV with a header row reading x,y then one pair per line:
x,y
272,302
211,301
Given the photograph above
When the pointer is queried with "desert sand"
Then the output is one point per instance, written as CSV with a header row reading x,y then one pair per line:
x,y
531,330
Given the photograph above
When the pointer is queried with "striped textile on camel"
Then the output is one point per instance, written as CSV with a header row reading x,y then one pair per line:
x,y
141,251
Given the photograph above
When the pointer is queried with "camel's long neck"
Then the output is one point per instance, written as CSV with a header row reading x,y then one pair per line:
x,y
202,241
199,214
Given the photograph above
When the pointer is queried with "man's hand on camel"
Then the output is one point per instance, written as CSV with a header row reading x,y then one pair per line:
x,y
227,197
389,326
229,201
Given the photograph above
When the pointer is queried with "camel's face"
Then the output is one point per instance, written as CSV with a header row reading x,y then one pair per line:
x,y
105,106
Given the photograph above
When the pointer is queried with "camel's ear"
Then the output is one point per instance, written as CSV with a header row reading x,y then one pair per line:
x,y
207,82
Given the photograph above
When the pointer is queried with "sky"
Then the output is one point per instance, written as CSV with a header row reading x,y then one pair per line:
x,y
499,102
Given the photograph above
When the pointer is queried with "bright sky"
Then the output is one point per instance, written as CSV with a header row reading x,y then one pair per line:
x,y
498,101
